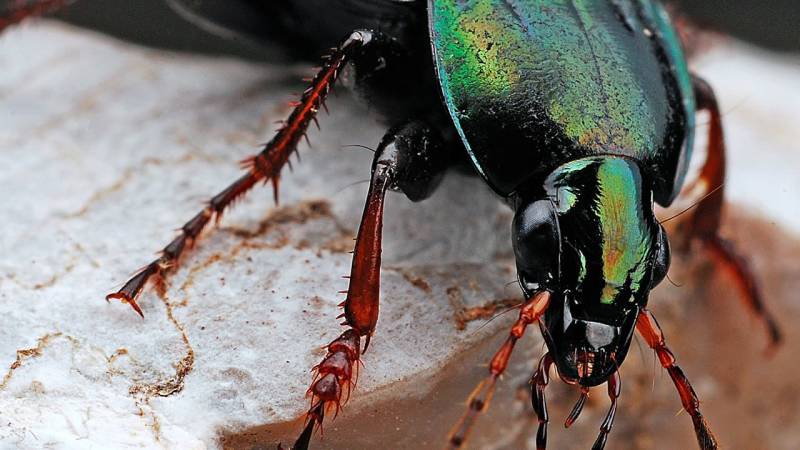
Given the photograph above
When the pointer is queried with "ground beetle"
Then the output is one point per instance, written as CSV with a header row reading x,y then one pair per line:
x,y
578,113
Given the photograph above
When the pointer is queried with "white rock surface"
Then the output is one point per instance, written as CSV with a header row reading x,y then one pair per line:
x,y
105,148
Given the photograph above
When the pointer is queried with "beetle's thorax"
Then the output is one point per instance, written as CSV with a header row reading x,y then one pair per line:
x,y
607,229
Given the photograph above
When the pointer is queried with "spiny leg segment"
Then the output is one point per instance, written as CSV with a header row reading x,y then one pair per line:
x,y
263,167
481,396
334,378
648,327
410,159
334,374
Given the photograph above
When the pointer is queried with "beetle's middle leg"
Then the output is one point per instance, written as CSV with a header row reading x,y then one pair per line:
x,y
707,216
263,167
410,159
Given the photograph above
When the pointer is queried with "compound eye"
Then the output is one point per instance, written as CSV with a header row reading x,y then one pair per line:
x,y
662,258
536,243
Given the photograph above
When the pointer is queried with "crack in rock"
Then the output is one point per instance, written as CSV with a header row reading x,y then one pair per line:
x,y
142,393
67,269
89,100
27,353
410,276
175,383
127,174
299,213
102,193
296,214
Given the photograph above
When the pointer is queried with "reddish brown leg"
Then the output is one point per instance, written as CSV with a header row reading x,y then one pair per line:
x,y
481,396
21,10
406,154
707,216
263,167
333,379
538,384
361,304
648,327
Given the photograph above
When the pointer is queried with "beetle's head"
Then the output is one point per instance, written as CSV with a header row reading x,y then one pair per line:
x,y
590,237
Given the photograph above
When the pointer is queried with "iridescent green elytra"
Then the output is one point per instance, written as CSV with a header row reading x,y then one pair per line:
x,y
533,84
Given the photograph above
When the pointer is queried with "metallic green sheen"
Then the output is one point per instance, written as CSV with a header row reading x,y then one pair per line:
x,y
626,243
564,78
677,60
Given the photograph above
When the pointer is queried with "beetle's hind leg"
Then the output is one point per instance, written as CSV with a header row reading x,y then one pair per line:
x,y
706,218
263,167
649,329
410,159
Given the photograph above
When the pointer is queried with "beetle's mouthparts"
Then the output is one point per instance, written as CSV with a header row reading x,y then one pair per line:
x,y
585,364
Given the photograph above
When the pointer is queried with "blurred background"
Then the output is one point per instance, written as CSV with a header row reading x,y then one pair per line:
x,y
772,23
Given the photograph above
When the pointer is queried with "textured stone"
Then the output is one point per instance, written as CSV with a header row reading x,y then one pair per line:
x,y
106,149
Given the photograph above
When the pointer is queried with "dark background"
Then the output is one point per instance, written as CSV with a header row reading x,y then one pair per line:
x,y
771,23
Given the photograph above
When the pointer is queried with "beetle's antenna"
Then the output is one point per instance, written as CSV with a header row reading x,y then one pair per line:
x,y
712,192
498,315
672,282
726,112
359,146
349,185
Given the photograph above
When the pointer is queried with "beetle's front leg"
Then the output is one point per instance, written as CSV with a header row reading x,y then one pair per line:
x,y
410,159
263,167
648,327
706,219
17,11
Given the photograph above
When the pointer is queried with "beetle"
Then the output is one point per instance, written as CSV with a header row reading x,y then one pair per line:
x,y
580,115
